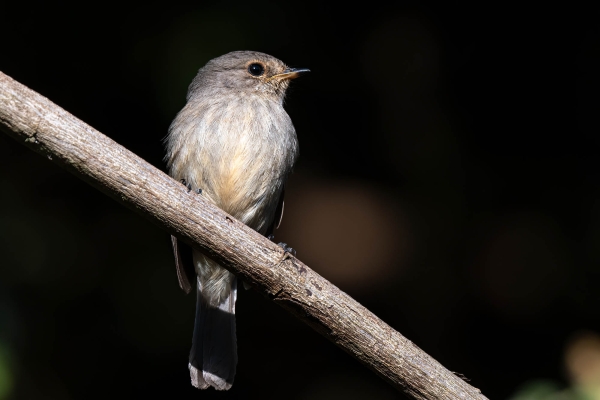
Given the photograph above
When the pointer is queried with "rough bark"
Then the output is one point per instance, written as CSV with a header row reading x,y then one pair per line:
x,y
48,129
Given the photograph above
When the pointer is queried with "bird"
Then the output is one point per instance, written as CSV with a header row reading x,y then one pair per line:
x,y
234,144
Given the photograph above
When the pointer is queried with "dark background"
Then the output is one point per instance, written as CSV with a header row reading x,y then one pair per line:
x,y
447,180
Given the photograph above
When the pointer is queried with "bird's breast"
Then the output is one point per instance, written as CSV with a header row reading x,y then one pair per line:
x,y
240,151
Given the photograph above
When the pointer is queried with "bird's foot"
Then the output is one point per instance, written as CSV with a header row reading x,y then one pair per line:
x,y
284,246
287,248
189,186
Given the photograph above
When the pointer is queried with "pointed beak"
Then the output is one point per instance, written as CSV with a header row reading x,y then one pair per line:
x,y
291,73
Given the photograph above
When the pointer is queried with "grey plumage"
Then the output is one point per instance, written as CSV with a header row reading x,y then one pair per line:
x,y
233,140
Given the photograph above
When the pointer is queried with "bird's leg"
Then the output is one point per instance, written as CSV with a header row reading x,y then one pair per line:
x,y
189,186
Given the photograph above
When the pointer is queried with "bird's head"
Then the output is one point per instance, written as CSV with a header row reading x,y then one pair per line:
x,y
245,72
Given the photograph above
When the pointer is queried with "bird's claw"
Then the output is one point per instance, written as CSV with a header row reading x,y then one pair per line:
x,y
189,186
287,248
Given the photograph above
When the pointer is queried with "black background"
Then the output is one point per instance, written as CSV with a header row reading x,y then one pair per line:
x,y
447,180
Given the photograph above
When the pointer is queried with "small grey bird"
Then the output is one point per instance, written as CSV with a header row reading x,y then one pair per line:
x,y
234,143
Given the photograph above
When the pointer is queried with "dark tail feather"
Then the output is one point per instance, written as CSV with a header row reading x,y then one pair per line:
x,y
214,350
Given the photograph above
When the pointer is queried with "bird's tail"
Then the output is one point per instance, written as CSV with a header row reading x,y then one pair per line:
x,y
214,350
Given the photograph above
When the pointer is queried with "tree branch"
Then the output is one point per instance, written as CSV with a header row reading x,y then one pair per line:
x,y
48,129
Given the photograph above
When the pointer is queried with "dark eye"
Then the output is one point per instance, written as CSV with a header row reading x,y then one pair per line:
x,y
256,69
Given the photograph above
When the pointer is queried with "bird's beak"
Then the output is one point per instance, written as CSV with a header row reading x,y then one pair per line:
x,y
290,73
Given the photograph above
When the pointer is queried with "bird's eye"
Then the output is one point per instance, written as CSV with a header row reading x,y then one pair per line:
x,y
256,69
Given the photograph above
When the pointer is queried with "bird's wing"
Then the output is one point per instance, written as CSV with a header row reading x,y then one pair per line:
x,y
186,273
278,215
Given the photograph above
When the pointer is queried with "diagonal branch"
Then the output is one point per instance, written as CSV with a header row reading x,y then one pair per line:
x,y
48,129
